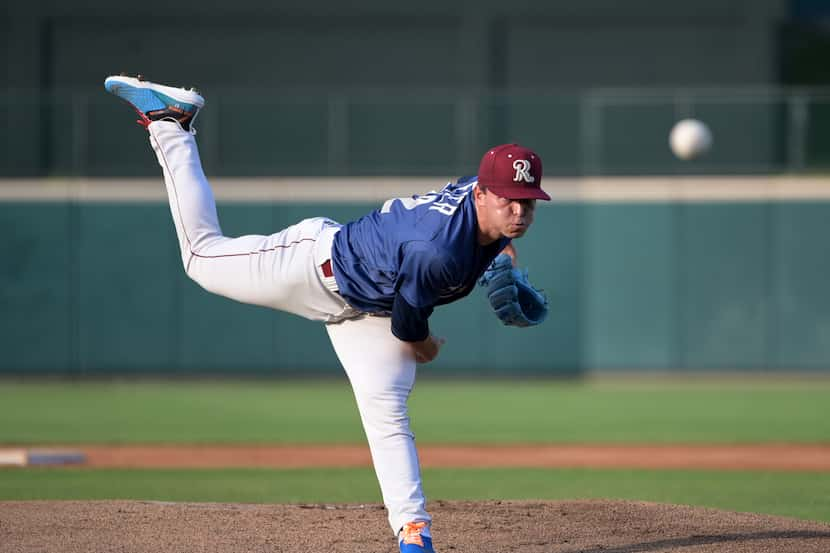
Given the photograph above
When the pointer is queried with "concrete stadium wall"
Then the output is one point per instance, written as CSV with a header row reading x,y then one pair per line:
x,y
647,282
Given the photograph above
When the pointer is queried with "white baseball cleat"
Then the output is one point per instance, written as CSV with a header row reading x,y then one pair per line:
x,y
155,102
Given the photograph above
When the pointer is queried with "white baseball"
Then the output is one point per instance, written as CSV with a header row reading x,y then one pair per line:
x,y
690,138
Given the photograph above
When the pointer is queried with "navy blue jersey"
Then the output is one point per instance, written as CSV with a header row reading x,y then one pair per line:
x,y
421,249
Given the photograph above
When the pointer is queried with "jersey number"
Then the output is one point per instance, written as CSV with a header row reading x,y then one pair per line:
x,y
409,202
444,207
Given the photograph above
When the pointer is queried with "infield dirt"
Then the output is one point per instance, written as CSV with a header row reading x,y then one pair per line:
x,y
782,457
594,526
590,526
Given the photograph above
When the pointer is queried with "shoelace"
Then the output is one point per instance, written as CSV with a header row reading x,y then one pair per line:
x,y
411,533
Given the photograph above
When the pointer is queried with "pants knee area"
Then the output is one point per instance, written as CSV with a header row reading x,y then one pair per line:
x,y
385,407
199,277
189,269
384,414
386,426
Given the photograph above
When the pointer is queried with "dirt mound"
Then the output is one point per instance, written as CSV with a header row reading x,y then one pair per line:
x,y
594,526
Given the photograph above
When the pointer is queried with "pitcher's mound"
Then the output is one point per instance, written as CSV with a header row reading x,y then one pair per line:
x,y
596,526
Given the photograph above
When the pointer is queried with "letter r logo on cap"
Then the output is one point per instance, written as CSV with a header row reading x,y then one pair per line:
x,y
522,167
513,172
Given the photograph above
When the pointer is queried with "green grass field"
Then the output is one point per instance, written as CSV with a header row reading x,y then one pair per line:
x,y
802,495
638,411
442,412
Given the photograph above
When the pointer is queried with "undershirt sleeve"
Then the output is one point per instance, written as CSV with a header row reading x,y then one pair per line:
x,y
409,323
424,273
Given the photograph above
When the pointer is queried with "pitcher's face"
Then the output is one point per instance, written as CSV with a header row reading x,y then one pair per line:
x,y
499,216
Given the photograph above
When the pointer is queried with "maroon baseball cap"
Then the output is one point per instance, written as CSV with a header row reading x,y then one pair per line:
x,y
512,171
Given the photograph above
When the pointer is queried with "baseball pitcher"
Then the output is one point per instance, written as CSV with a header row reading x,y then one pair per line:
x,y
374,282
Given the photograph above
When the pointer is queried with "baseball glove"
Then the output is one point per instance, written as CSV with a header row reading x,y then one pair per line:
x,y
515,301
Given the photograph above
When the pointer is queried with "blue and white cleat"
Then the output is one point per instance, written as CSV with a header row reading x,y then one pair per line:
x,y
413,540
154,102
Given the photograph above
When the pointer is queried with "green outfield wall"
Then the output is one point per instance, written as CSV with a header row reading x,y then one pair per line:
x,y
426,131
97,287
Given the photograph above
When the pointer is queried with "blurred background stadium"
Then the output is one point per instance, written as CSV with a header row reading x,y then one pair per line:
x,y
713,267
651,264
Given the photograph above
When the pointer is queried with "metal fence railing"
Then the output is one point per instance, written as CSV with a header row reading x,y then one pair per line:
x,y
263,133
